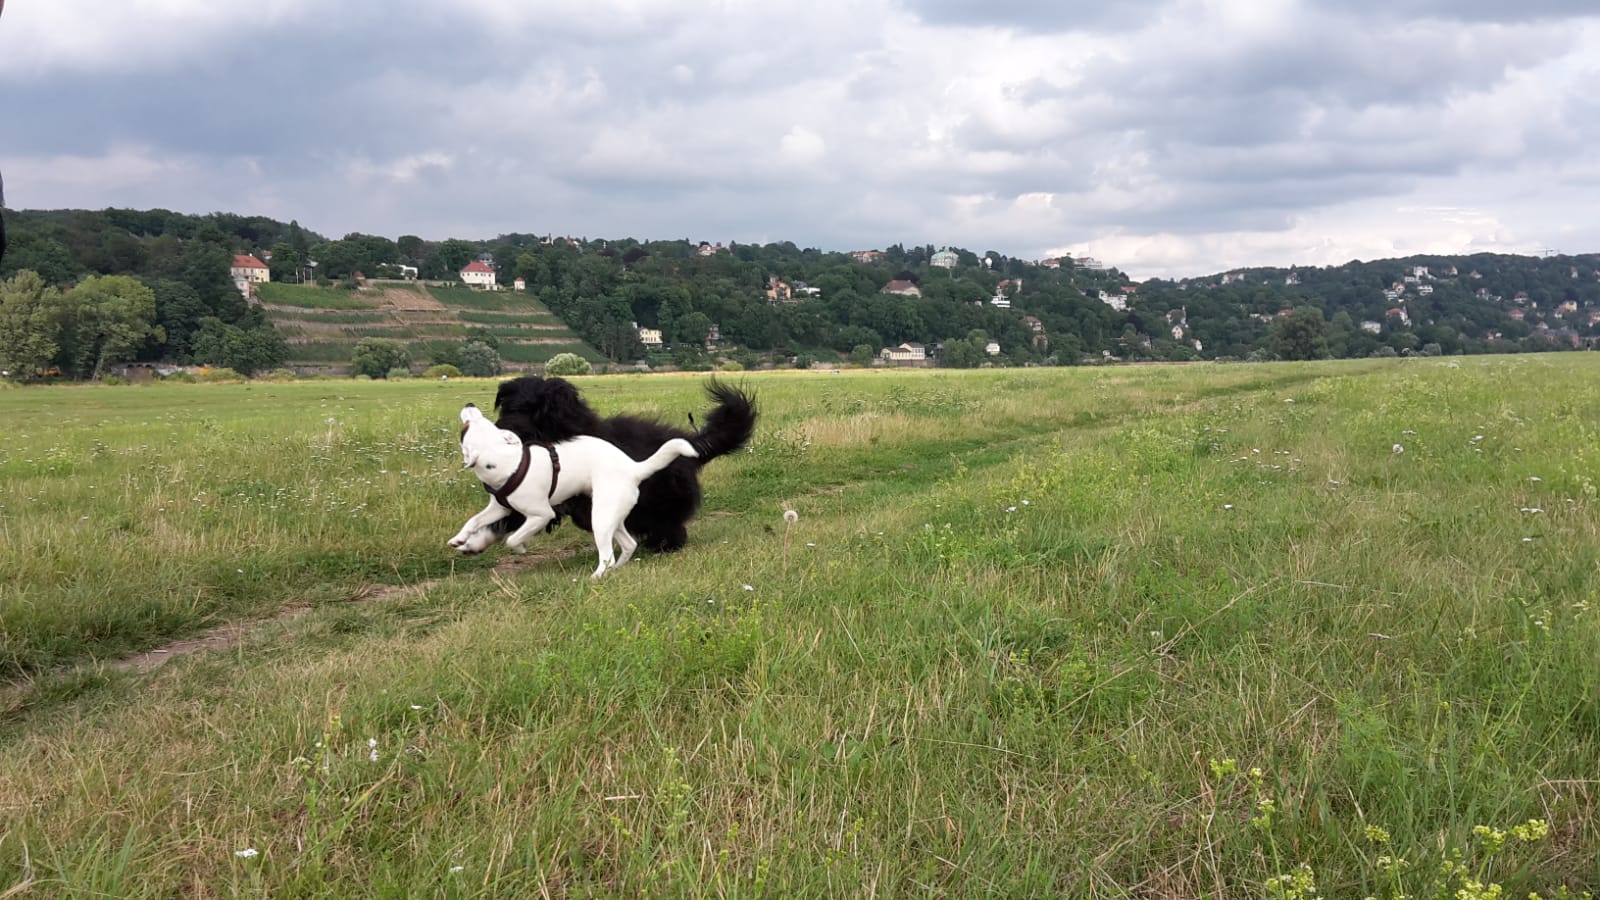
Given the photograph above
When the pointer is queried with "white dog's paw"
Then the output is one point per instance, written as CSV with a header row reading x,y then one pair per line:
x,y
474,543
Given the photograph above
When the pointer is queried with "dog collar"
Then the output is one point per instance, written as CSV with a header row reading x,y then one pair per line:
x,y
502,494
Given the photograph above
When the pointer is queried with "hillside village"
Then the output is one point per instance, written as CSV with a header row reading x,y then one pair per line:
x,y
700,304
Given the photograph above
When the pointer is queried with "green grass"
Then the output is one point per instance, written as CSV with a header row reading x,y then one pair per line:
x,y
310,297
541,319
538,353
322,352
343,317
1130,632
463,297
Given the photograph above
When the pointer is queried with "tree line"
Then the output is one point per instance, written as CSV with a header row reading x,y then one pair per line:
x,y
125,285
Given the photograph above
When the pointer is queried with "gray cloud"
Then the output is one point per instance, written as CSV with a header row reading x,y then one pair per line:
x,y
1172,130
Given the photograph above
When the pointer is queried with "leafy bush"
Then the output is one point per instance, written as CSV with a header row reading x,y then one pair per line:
x,y
442,371
567,364
220,374
397,374
376,357
480,360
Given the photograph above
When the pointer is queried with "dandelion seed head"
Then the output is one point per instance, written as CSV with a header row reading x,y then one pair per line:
x,y
791,516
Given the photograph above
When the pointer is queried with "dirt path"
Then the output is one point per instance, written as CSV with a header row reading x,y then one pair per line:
x,y
231,634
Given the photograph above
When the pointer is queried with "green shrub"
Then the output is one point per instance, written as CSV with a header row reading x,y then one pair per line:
x,y
567,364
220,374
443,370
376,357
397,374
480,360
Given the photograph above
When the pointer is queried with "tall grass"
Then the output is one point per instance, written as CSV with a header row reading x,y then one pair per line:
x,y
1159,632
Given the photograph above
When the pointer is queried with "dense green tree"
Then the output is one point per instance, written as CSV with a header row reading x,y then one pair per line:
x,y
374,357
1300,335
28,325
245,350
479,360
105,319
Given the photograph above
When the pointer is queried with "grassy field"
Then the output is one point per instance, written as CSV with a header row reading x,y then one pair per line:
x,y
1208,631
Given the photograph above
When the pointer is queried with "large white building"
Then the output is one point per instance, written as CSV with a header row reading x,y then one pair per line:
x,y
248,269
478,274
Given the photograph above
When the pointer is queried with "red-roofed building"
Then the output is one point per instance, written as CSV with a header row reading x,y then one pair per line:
x,y
478,274
250,270
904,288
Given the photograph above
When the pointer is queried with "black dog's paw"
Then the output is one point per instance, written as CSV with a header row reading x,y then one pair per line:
x,y
554,523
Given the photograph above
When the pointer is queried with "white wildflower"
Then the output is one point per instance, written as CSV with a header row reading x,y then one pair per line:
x,y
1399,449
749,588
791,516
1227,506
247,852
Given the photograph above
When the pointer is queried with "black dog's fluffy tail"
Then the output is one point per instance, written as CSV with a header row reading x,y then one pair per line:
x,y
730,423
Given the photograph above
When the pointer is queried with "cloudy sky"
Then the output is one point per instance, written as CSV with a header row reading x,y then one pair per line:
x,y
1167,137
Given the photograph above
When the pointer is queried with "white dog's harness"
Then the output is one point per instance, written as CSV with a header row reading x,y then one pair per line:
x,y
503,493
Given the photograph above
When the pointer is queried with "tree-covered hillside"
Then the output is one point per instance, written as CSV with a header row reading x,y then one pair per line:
x,y
758,303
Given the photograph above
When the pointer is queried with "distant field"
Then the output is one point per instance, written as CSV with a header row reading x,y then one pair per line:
x,y
325,323
1164,631
311,297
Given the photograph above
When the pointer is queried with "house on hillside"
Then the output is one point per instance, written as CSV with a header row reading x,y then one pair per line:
x,y
902,287
909,353
1033,324
1115,301
1371,327
866,256
944,259
992,348
478,274
650,337
250,270
778,290
709,249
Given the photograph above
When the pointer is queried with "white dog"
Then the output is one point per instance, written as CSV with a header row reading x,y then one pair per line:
x,y
533,479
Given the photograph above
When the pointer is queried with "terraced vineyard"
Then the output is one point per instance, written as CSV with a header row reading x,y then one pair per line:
x,y
322,325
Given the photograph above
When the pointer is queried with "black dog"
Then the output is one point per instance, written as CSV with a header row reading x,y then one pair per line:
x,y
548,410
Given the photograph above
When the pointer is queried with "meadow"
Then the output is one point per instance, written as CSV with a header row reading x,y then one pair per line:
x,y
1281,630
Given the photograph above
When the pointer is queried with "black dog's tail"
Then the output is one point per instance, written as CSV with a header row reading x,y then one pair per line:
x,y
730,423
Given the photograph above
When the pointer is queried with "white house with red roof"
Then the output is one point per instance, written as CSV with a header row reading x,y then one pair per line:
x,y
478,274
901,287
249,270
